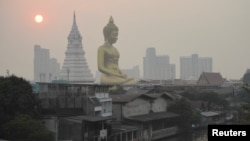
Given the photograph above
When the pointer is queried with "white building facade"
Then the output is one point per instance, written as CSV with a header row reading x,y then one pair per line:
x,y
46,69
192,66
134,72
157,67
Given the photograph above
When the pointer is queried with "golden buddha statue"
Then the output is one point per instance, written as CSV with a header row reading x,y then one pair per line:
x,y
108,58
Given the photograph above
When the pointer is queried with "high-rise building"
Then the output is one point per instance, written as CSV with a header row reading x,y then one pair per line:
x,y
192,66
157,67
46,69
134,72
75,68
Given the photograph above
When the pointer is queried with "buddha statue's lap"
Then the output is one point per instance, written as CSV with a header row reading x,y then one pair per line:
x,y
109,79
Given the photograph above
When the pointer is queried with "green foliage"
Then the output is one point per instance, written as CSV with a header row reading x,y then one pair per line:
x,y
246,108
191,96
19,111
212,98
246,88
246,78
247,115
24,128
16,98
188,115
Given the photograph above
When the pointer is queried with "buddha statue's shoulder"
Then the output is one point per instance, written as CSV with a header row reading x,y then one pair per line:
x,y
101,48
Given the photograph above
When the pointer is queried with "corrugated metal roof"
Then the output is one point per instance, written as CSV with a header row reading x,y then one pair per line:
x,y
95,101
87,118
209,113
153,116
124,97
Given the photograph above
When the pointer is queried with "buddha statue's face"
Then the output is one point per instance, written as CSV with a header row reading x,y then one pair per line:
x,y
113,36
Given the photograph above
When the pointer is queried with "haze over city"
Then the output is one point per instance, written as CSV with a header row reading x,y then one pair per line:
x,y
217,29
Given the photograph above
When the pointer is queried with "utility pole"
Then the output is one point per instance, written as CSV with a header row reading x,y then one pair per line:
x,y
68,73
87,98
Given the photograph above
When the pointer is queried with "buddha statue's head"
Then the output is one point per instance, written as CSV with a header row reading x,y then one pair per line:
x,y
110,31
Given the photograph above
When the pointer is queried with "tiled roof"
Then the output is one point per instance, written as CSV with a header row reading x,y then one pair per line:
x,y
156,95
124,98
212,78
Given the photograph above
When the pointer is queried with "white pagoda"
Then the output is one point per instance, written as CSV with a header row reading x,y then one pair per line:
x,y
75,68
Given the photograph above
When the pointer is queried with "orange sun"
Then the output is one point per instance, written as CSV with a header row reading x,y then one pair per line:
x,y
39,18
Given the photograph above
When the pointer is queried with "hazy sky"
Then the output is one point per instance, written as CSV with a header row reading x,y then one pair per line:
x,y
211,28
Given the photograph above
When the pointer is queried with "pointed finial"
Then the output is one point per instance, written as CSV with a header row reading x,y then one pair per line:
x,y
111,20
74,18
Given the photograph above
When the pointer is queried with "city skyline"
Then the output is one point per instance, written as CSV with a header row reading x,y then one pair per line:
x,y
203,64
217,29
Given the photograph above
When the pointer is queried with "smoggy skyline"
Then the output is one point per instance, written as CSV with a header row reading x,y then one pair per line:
x,y
215,28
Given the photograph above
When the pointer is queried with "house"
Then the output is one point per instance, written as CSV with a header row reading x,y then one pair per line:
x,y
86,128
210,78
155,126
70,109
212,117
147,112
122,132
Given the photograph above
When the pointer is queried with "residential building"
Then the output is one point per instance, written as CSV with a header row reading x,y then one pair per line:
x,y
75,68
157,67
76,111
134,72
212,117
147,112
191,67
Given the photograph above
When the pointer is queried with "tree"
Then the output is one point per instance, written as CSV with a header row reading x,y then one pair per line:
x,y
246,78
214,99
16,99
188,116
24,128
246,108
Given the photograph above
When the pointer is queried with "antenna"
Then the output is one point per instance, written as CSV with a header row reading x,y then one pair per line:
x,y
8,72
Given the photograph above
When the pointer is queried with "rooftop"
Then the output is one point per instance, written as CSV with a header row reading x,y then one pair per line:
x,y
153,116
81,118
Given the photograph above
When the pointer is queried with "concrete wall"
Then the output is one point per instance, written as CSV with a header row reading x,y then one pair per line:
x,y
139,106
159,105
70,131
136,107
117,111
51,123
62,102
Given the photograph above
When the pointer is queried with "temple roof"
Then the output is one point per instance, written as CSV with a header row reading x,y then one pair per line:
x,y
211,78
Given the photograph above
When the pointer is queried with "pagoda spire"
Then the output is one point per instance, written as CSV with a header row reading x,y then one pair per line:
x,y
74,28
74,18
